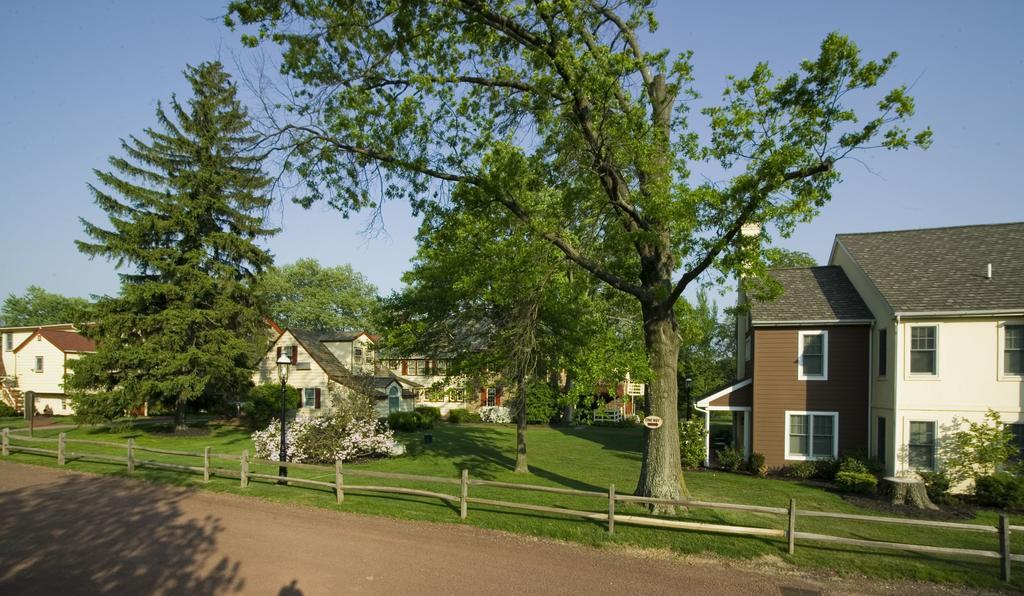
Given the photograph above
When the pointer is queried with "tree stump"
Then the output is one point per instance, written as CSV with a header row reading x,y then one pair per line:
x,y
908,491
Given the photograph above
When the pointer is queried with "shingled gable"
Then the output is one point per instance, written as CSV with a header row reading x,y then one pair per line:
x,y
811,295
375,384
943,270
68,342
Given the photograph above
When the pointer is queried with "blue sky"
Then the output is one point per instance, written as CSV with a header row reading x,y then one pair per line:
x,y
80,75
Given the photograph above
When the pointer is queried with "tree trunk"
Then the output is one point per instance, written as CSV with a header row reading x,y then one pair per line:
x,y
569,415
179,416
661,473
521,467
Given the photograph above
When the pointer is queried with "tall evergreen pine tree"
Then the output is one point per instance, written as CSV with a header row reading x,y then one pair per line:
x,y
185,210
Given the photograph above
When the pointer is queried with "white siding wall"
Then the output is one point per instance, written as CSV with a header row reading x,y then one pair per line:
x,y
9,356
300,379
51,379
969,378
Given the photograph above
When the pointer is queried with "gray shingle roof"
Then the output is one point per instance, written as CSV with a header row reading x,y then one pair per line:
x,y
811,294
374,384
341,335
943,269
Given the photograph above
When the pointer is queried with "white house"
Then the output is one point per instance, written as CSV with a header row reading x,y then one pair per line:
x,y
882,349
36,359
334,365
948,333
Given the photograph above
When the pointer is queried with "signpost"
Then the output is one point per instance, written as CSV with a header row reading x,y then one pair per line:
x,y
653,422
30,410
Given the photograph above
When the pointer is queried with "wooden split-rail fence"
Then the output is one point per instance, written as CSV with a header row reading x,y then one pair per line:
x,y
610,517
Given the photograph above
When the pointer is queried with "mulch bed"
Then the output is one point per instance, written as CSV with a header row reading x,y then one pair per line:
x,y
958,511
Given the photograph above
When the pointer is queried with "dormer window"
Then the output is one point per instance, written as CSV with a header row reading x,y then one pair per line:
x,y
357,355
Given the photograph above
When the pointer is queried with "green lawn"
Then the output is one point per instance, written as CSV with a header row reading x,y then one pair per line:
x,y
20,422
588,459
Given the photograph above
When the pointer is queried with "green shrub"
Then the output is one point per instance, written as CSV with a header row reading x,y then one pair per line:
x,y
937,484
852,464
264,404
462,415
856,482
826,469
802,470
429,414
541,403
756,465
6,411
407,422
729,459
971,450
1002,490
691,443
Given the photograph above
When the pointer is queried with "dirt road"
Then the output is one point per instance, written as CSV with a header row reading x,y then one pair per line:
x,y
67,533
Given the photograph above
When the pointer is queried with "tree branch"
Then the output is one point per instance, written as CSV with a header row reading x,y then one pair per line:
x,y
820,168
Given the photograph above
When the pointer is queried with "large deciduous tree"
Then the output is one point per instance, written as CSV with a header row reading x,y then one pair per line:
x,y
559,114
185,209
307,295
39,307
480,292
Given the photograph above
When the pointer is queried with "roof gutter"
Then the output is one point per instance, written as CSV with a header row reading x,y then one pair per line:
x,y
808,323
959,313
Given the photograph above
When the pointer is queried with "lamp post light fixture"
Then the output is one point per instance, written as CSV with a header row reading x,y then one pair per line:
x,y
284,363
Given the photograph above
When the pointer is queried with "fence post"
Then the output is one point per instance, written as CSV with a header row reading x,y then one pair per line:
x,y
61,438
791,533
131,455
464,494
244,476
6,441
1004,545
611,508
339,482
206,464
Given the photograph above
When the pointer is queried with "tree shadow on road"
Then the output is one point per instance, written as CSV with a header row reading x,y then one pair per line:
x,y
94,535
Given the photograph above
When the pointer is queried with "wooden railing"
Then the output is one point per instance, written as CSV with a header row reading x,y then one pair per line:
x,y
610,517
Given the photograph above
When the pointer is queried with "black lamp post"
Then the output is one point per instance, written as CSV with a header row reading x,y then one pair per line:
x,y
283,364
688,383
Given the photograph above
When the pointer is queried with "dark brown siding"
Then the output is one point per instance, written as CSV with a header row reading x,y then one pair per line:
x,y
777,389
741,397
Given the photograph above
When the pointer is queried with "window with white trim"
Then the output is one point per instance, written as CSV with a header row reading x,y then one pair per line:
x,y
357,355
921,445
923,350
492,396
39,364
1017,432
812,435
308,398
812,364
1013,350
8,341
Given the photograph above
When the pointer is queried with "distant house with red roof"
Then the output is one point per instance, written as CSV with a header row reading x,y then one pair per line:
x,y
36,359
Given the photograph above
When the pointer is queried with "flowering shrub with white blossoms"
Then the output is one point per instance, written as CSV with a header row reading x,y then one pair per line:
x,y
325,439
496,414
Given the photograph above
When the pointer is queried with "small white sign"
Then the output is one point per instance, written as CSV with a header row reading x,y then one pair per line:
x,y
652,422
